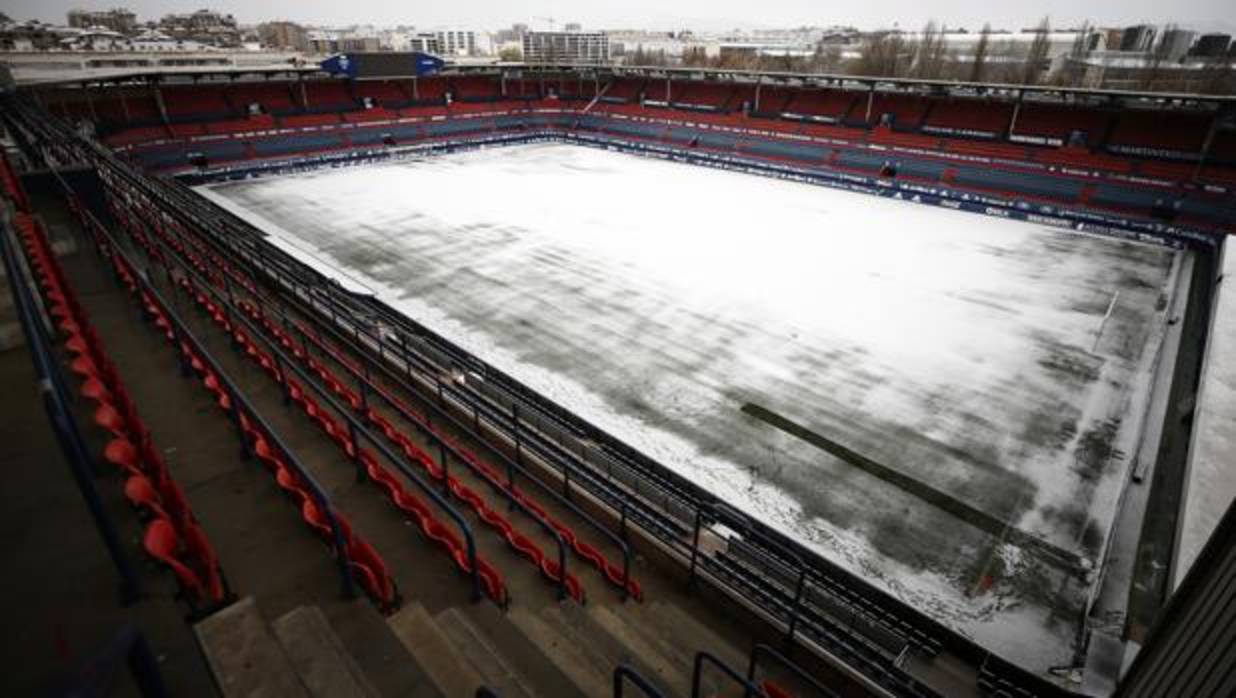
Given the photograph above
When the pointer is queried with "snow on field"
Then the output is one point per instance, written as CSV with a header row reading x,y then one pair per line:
x,y
999,363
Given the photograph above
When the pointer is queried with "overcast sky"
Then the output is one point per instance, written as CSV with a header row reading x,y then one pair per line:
x,y
672,14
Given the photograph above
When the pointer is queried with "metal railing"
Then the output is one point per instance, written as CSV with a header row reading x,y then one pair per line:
x,y
624,674
57,404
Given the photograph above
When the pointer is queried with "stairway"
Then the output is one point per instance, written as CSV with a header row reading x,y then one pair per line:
x,y
297,655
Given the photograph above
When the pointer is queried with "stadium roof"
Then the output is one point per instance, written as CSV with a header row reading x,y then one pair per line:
x,y
72,76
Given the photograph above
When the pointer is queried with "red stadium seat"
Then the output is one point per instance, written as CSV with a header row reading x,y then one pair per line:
x,y
142,494
161,543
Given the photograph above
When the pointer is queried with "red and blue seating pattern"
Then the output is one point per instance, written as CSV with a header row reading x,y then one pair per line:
x,y
969,132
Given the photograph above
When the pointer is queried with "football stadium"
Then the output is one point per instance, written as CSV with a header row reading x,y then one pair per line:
x,y
554,380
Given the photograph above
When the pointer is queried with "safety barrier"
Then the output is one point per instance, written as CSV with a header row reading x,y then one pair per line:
x,y
763,650
624,674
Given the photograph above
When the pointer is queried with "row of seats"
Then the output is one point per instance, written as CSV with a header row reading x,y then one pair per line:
x,y
520,542
1167,131
172,534
363,562
587,552
994,155
298,394
349,397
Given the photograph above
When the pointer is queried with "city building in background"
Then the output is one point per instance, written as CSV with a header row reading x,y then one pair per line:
x,y
565,47
119,20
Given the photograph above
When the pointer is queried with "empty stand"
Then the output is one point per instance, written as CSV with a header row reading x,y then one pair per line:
x,y
196,103
383,93
1157,133
701,95
474,89
624,90
272,98
970,117
824,105
1057,122
328,96
906,111
772,100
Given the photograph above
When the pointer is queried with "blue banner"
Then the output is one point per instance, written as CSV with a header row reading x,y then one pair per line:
x,y
343,64
427,64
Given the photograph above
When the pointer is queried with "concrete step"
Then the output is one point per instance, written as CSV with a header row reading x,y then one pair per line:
x,y
681,636
381,656
497,672
604,647
446,666
589,675
319,657
666,670
512,663
244,655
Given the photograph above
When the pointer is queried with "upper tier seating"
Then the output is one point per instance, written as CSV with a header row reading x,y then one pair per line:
x,y
740,94
428,90
131,109
829,105
624,90
700,95
328,96
196,103
1180,132
273,98
970,116
384,93
475,89
523,89
772,100
575,89
656,91
907,110
1055,121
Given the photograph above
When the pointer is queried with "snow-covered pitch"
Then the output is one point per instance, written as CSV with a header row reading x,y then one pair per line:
x,y
742,329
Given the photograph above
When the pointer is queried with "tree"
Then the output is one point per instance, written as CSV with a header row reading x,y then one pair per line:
x,y
881,56
1036,56
511,54
930,52
980,54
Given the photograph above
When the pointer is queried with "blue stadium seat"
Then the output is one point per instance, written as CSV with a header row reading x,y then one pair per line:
x,y
295,144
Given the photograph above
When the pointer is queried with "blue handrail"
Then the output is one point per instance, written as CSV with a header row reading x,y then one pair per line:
x,y
786,663
56,404
697,674
624,673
